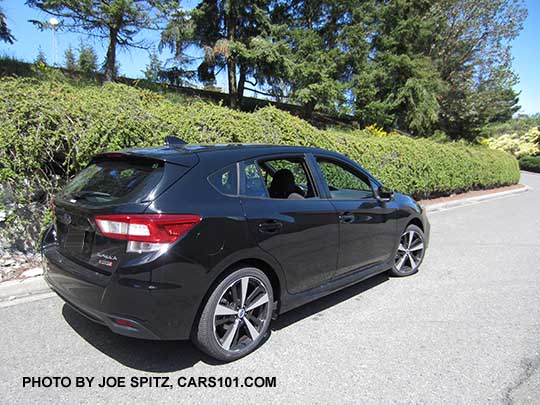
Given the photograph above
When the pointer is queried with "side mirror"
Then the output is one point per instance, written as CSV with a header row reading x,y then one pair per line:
x,y
384,194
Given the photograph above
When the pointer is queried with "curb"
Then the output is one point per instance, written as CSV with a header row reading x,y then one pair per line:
x,y
472,200
14,289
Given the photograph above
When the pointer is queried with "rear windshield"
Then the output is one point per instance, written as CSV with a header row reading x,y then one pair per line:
x,y
113,182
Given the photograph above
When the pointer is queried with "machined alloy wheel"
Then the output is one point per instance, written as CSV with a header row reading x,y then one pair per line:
x,y
241,314
237,316
410,252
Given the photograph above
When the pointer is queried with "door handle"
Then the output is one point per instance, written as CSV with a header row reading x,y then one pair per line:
x,y
346,218
272,226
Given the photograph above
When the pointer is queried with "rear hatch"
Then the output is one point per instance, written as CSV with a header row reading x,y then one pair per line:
x,y
114,183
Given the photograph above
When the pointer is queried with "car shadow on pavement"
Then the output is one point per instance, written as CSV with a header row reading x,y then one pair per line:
x,y
315,307
167,356
158,356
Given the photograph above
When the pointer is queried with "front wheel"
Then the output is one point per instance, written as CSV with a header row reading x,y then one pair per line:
x,y
236,318
410,252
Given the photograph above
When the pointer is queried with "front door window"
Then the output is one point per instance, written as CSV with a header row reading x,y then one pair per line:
x,y
344,184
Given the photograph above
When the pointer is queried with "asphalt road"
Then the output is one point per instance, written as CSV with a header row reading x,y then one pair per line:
x,y
466,329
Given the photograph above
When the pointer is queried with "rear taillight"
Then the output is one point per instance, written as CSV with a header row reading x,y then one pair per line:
x,y
146,232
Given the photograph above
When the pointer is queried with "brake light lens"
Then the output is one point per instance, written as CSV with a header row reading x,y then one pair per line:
x,y
124,322
146,232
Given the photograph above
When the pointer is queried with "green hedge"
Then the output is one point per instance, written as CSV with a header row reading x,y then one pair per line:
x,y
50,129
530,163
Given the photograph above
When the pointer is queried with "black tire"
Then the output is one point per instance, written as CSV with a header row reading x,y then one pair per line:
x,y
244,325
409,256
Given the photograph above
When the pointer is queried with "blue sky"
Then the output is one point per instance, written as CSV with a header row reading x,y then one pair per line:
x,y
526,53
526,48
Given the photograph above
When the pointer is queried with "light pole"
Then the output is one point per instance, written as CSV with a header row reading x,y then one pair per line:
x,y
54,23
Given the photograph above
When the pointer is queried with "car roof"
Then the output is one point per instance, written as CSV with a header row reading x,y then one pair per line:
x,y
189,154
177,153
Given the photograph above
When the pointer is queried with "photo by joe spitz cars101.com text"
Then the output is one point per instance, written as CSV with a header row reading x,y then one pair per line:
x,y
212,242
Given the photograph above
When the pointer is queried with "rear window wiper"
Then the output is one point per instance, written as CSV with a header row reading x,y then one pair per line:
x,y
85,194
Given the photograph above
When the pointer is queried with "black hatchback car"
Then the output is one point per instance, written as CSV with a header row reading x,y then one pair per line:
x,y
210,242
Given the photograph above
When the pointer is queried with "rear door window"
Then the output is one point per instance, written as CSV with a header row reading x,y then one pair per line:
x,y
252,184
116,181
288,178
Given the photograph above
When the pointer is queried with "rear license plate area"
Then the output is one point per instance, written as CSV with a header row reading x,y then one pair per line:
x,y
74,240
77,242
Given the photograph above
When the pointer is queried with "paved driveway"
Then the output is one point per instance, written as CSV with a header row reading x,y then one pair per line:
x,y
466,329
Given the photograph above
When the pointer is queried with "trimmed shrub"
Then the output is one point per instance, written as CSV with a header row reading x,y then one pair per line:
x,y
50,129
530,163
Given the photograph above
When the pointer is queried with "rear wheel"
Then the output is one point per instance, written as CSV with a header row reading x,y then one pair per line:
x,y
236,318
410,252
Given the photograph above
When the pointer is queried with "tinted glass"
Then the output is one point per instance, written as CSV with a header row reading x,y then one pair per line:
x,y
253,183
295,167
344,184
111,181
296,184
225,180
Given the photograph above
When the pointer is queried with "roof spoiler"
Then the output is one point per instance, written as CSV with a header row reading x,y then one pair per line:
x,y
174,141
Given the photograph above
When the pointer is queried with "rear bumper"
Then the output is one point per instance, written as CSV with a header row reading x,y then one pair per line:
x,y
113,299
136,330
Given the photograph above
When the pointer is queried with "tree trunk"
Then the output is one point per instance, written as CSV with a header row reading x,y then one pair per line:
x,y
309,107
231,61
241,85
233,90
110,61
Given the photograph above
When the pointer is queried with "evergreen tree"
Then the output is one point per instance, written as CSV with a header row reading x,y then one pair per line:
x,y
154,68
434,64
87,61
116,21
70,61
224,30
315,64
400,83
5,33
473,57
40,58
177,36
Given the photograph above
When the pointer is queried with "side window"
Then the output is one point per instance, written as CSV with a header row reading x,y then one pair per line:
x,y
252,181
344,184
225,180
295,167
287,178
